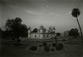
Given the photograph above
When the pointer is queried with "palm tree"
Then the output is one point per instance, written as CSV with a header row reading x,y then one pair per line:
x,y
76,13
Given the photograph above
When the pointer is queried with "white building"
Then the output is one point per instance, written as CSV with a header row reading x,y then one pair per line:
x,y
41,34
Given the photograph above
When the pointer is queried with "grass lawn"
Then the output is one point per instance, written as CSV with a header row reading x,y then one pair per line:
x,y
8,49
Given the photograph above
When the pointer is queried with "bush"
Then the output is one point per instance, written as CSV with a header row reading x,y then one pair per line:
x,y
49,45
52,49
19,40
54,44
40,45
18,44
46,49
44,44
13,39
33,48
59,47
63,40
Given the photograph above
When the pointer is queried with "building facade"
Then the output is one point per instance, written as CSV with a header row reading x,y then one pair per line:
x,y
41,33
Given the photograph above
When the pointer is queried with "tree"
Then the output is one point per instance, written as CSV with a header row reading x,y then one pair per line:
x,y
76,13
24,30
1,32
17,29
74,33
35,30
52,29
58,34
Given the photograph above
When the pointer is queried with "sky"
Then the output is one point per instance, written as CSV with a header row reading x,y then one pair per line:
x,y
35,13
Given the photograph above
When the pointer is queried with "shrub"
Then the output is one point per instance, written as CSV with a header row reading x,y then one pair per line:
x,y
49,45
40,45
33,48
46,49
54,44
52,49
59,47
44,44
63,40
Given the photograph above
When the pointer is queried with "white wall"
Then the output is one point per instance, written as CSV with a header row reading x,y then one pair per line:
x,y
40,35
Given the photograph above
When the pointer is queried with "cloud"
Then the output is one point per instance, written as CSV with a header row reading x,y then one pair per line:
x,y
33,12
26,10
47,14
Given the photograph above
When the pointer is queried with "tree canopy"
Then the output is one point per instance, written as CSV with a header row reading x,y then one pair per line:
x,y
74,32
35,30
16,28
75,12
58,34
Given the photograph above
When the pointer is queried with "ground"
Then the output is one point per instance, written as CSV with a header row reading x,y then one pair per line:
x,y
71,49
